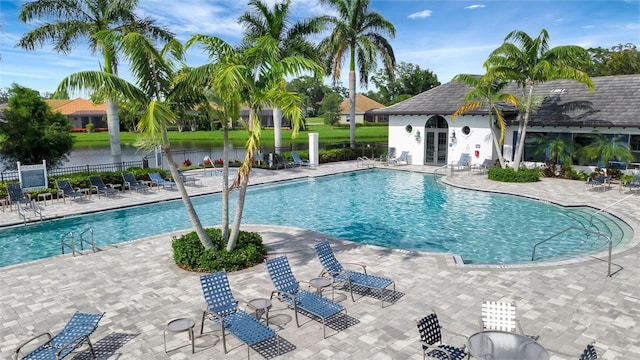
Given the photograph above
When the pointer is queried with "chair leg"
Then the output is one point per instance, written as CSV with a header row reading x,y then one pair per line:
x,y
204,313
93,353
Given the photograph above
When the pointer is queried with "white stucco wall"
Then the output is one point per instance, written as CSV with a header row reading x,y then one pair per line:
x,y
479,138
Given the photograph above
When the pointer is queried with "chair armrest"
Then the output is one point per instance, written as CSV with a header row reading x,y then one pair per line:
x,y
70,342
430,347
17,351
364,267
458,334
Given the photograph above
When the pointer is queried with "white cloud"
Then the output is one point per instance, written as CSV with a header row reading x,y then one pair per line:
x,y
421,14
471,7
559,20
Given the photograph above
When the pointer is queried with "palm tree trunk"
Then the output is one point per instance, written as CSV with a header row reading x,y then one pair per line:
x,y
235,230
277,125
496,145
225,181
195,220
113,124
523,133
352,109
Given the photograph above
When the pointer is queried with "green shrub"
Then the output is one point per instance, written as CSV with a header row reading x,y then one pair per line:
x,y
189,254
509,175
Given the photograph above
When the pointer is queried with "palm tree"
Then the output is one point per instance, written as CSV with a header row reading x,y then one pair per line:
x,y
487,92
292,39
357,33
156,92
253,76
606,148
77,19
529,61
557,149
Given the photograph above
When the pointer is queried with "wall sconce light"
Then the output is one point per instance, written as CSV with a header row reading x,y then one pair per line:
x,y
417,136
453,136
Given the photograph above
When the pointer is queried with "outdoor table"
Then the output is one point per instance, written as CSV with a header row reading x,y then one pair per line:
x,y
320,283
260,306
180,325
502,345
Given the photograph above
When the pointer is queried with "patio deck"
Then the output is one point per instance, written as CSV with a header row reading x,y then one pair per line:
x,y
136,284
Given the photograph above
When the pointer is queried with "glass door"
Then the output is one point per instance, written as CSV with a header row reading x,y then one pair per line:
x,y
429,147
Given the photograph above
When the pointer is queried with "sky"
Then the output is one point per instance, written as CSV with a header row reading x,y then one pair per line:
x,y
445,37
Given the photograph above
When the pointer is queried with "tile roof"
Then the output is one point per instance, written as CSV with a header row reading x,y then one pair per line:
x,y
77,106
363,104
613,103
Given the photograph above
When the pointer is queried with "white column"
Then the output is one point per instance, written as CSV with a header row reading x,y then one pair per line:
x,y
277,125
314,159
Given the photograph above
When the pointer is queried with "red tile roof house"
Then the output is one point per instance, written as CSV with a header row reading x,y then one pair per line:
x,y
81,112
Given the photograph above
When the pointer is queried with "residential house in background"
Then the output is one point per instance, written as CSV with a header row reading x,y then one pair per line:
x,y
364,107
81,112
422,124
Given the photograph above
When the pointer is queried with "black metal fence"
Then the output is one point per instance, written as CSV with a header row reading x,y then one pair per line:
x,y
195,156
12,175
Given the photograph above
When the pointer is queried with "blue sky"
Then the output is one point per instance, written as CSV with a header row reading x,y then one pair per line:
x,y
445,37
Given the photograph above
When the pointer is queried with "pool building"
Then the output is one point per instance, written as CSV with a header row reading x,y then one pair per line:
x,y
422,125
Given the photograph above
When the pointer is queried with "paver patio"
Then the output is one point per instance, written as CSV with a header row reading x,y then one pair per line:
x,y
136,284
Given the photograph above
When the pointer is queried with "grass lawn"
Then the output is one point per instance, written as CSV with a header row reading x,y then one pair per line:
x,y
326,134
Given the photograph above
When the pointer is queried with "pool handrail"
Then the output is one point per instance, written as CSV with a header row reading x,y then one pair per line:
x,y
608,206
533,254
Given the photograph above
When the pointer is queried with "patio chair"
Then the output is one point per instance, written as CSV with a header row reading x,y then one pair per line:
x,y
188,178
589,353
297,161
66,191
280,162
338,273
17,196
288,290
431,338
634,185
100,187
462,163
73,335
210,168
404,157
482,168
599,182
222,309
497,315
22,202
157,180
131,182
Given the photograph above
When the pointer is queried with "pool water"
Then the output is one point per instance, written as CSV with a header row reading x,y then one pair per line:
x,y
400,210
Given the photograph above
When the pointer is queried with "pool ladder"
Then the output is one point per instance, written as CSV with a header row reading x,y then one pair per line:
x,y
72,243
22,211
609,242
364,161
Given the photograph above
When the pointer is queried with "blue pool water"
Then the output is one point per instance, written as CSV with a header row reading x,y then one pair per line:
x,y
399,210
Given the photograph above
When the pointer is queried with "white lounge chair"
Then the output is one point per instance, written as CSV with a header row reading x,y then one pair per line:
x,y
403,158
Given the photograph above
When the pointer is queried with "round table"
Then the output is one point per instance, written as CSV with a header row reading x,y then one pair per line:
x,y
260,305
502,345
319,283
180,325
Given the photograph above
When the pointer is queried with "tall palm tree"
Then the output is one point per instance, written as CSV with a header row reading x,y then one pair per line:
x,y
529,61
155,73
487,92
253,76
357,32
73,20
292,39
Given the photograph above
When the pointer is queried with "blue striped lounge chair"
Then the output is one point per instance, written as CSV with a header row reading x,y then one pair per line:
x,y
351,279
288,290
73,335
222,309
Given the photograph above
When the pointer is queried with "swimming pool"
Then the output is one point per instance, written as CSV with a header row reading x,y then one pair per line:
x,y
401,210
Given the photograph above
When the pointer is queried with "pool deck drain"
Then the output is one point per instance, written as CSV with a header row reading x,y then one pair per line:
x,y
568,304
